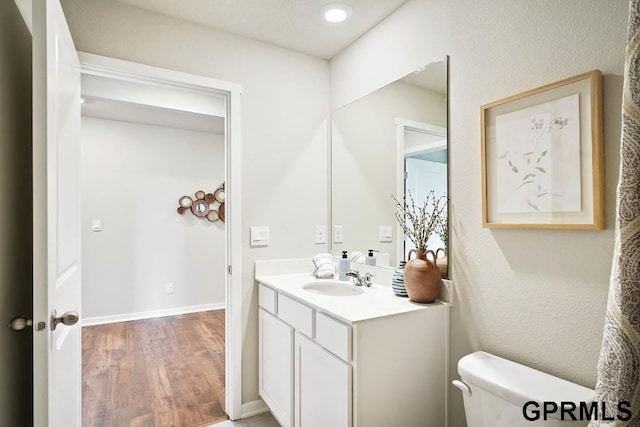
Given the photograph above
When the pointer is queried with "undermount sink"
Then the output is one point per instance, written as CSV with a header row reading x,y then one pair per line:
x,y
336,289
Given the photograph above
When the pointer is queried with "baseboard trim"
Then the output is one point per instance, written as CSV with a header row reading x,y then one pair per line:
x,y
92,321
251,409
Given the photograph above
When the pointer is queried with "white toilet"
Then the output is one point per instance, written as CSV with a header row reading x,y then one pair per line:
x,y
495,390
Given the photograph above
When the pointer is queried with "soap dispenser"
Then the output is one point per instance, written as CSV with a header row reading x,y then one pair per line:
x,y
344,266
370,259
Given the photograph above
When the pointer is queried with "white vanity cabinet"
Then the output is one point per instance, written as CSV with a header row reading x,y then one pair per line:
x,y
323,386
319,369
276,359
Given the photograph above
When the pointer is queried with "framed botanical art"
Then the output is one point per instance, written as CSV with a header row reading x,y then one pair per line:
x,y
542,157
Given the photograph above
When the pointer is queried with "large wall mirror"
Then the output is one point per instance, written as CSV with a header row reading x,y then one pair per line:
x,y
386,143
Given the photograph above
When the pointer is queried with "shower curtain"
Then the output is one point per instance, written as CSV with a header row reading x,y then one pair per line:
x,y
619,364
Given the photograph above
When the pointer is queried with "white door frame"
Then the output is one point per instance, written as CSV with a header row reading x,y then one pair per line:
x,y
403,125
124,70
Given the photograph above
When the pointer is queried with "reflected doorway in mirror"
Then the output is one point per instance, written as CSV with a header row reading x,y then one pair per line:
x,y
366,163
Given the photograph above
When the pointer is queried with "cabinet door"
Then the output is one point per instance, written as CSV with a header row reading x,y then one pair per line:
x,y
276,366
323,386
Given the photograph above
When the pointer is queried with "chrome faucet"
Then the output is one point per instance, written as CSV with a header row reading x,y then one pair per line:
x,y
359,280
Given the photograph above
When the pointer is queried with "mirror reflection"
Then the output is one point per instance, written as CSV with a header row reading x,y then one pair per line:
x,y
185,201
389,142
200,208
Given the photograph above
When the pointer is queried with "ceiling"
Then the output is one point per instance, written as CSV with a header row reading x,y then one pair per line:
x,y
110,109
293,24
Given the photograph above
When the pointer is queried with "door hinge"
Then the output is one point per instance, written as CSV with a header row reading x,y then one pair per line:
x,y
406,175
229,269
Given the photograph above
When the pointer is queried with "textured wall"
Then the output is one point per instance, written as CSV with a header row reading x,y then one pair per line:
x,y
15,218
285,103
132,177
537,297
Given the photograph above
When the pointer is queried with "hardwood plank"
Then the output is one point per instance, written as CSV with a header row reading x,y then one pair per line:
x,y
155,372
219,390
212,411
118,417
166,413
159,382
190,382
188,411
204,359
145,420
118,386
175,337
94,378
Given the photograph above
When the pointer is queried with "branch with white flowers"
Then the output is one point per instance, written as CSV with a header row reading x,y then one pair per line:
x,y
420,222
442,226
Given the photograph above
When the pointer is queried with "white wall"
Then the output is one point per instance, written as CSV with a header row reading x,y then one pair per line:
x,y
364,161
285,103
132,178
15,219
537,297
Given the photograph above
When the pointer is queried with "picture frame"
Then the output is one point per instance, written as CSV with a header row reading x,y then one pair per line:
x,y
542,157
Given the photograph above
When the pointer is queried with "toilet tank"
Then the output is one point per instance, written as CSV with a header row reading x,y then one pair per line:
x,y
496,393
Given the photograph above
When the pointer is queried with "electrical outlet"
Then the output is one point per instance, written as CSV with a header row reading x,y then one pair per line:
x,y
321,234
338,234
168,288
385,233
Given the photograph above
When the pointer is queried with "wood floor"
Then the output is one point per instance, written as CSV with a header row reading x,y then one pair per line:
x,y
163,372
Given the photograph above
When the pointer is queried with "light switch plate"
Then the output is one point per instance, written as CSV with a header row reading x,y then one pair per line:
x,y
259,236
321,234
96,225
338,234
385,234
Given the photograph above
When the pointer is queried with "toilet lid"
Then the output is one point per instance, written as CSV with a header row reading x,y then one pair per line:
x,y
517,383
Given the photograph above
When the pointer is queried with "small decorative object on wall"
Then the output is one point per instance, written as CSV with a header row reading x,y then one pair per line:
x,y
201,206
221,211
542,162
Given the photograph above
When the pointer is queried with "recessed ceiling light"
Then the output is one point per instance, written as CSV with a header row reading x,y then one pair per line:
x,y
336,12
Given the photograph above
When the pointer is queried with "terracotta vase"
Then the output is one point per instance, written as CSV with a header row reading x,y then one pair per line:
x,y
422,278
443,262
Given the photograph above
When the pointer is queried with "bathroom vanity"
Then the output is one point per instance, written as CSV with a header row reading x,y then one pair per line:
x,y
333,354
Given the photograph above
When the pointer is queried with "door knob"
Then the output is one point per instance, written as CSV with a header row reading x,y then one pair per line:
x,y
69,318
20,323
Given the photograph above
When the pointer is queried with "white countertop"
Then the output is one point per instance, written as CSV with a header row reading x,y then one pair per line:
x,y
376,301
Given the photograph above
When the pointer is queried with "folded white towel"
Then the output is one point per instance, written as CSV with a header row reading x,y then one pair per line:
x,y
321,256
324,266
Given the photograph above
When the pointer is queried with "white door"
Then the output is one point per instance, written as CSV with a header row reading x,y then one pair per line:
x,y
56,219
323,388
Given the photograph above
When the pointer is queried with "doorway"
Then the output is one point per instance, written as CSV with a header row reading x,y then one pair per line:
x,y
423,154
171,106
